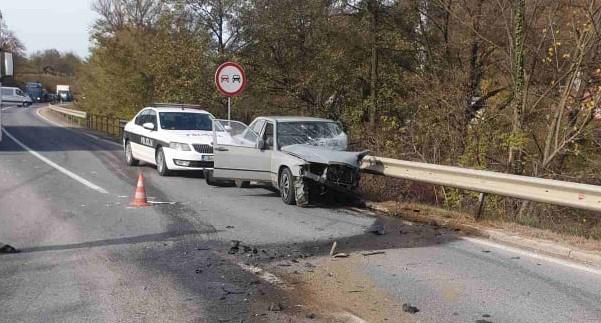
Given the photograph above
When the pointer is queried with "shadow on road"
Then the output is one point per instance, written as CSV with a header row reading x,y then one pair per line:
x,y
119,241
45,138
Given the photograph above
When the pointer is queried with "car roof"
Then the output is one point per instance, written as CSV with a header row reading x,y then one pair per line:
x,y
295,119
174,109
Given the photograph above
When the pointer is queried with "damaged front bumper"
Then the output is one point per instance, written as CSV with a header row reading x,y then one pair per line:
x,y
337,176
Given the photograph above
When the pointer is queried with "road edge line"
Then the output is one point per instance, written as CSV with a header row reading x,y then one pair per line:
x,y
531,254
526,244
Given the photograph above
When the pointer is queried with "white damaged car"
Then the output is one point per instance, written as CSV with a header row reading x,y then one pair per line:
x,y
297,155
172,138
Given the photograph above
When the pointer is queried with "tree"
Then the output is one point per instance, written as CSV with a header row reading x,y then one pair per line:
x,y
515,151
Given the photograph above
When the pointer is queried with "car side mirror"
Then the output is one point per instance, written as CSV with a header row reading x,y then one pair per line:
x,y
269,142
261,144
148,125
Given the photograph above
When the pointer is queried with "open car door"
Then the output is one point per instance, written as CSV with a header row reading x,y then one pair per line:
x,y
239,153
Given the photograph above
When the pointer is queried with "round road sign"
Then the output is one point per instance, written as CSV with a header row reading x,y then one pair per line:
x,y
230,79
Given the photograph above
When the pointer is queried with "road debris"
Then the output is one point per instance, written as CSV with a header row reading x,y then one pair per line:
x,y
341,255
235,244
333,250
275,307
310,316
232,292
486,251
377,228
408,308
229,227
198,271
371,253
8,249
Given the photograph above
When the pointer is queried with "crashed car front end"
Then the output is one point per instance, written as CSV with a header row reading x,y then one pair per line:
x,y
334,175
324,169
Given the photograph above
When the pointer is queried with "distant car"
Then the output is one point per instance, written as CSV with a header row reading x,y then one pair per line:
x,y
172,138
297,155
14,95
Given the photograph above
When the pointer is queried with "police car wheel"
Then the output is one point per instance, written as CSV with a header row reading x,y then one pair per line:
x,y
129,156
161,163
209,178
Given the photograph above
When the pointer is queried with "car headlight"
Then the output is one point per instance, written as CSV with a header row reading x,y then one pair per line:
x,y
179,146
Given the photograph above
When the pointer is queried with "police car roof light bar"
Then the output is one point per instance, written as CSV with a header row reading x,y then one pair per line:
x,y
176,105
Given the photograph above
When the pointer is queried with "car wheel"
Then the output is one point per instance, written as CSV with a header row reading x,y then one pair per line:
x,y
241,184
209,178
161,163
286,184
129,155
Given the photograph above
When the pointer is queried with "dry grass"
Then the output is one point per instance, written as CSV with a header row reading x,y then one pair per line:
x,y
466,222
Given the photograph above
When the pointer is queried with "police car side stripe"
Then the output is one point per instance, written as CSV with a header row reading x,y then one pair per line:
x,y
143,140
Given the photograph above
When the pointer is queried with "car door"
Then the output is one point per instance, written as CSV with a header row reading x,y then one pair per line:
x,y
139,143
237,154
148,138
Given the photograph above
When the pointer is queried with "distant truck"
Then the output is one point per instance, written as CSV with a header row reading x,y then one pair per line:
x,y
63,92
35,91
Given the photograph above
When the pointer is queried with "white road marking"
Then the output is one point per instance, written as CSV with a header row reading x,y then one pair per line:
x,y
534,255
7,108
82,133
56,166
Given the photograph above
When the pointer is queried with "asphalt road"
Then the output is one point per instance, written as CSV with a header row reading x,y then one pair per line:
x,y
88,257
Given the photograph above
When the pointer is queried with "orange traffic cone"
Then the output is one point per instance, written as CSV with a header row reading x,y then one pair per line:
x,y
140,196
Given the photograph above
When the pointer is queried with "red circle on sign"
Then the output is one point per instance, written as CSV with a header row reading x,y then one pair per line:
x,y
239,68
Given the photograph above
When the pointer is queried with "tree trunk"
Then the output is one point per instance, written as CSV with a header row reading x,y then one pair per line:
x,y
475,75
515,151
373,8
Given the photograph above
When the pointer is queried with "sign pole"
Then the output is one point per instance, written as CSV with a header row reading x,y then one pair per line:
x,y
230,80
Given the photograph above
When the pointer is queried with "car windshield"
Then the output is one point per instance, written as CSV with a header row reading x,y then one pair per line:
x,y
316,133
185,121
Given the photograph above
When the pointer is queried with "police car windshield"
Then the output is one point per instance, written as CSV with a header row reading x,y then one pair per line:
x,y
185,121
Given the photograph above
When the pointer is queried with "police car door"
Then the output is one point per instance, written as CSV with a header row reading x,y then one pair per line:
x,y
148,136
138,139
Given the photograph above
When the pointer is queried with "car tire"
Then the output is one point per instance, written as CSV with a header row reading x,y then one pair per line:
x,y
286,185
162,168
241,184
129,155
209,178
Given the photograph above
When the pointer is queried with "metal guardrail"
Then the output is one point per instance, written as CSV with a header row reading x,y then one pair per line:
x,y
109,125
581,196
69,112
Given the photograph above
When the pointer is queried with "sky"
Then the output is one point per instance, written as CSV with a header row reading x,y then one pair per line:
x,y
44,24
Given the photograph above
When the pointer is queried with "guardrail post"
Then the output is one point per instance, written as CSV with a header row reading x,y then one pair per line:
x,y
480,209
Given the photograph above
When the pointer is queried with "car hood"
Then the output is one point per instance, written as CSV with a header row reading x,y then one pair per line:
x,y
189,136
316,154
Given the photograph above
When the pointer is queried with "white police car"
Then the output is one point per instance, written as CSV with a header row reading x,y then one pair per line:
x,y
172,137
